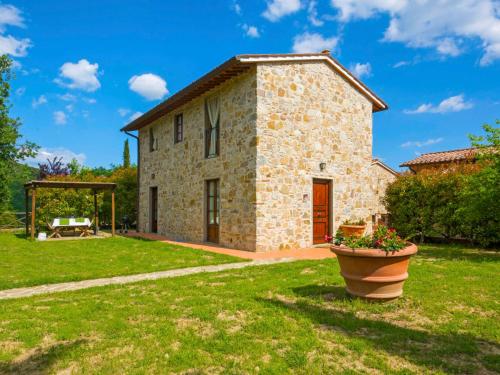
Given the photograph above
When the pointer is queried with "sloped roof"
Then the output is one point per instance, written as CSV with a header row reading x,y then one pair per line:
x,y
385,166
240,64
442,157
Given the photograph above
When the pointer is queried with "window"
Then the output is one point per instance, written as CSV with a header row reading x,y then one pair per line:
x,y
178,128
212,133
153,141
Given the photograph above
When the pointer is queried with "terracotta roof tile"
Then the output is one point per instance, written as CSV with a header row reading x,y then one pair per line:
x,y
442,157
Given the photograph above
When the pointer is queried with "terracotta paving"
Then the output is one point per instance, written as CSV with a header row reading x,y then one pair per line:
x,y
308,253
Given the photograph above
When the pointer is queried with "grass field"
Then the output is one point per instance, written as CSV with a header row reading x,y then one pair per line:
x,y
28,263
286,318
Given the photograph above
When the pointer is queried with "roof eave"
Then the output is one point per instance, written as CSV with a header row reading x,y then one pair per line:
x,y
239,64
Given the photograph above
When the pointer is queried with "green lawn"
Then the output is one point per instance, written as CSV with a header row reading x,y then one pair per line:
x,y
27,263
286,318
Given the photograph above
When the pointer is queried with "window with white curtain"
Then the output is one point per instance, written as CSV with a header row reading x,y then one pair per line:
x,y
212,122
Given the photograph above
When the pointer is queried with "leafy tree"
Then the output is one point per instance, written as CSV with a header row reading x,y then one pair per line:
x,y
126,155
10,150
480,197
74,167
463,201
54,167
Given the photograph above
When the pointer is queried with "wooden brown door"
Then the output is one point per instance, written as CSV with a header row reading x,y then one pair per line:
x,y
321,210
213,207
154,209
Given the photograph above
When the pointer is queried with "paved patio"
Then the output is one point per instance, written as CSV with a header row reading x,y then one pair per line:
x,y
313,253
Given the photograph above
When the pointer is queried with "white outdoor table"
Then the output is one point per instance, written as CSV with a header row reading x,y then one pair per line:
x,y
83,226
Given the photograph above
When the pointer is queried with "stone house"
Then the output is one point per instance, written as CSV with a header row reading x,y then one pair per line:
x,y
264,152
442,161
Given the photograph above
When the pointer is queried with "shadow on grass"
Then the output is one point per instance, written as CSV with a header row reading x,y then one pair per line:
x,y
323,292
39,361
455,252
137,238
454,352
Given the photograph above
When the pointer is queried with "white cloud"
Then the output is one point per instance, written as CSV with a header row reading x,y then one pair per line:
x,y
276,9
81,75
69,107
428,142
313,42
448,47
14,47
236,7
50,153
68,97
361,70
60,117
251,31
123,111
441,25
364,9
135,115
451,104
35,103
11,16
399,64
20,91
150,86
312,14
89,100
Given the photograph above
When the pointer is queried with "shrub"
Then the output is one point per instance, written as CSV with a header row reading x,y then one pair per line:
x,y
463,201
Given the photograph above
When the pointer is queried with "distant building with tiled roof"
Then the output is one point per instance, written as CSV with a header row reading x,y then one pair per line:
x,y
441,159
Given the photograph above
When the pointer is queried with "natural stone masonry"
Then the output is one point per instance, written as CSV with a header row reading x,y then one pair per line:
x,y
306,115
381,178
278,122
180,170
85,284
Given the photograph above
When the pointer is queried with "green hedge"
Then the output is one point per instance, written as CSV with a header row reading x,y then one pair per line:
x,y
461,203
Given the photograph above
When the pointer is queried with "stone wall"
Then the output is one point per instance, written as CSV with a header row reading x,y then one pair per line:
x,y
180,170
279,121
381,177
308,114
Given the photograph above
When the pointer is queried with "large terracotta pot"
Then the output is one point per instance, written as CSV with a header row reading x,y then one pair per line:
x,y
352,230
374,273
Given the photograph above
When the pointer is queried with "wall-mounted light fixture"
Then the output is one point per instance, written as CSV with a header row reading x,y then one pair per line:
x,y
322,166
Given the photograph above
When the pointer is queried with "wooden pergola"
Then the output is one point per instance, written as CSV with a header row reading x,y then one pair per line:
x,y
94,186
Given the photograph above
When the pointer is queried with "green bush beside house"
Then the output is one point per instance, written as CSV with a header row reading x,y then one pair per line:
x,y
462,203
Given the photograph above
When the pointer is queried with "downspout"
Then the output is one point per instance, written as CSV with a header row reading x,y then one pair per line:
x,y
138,176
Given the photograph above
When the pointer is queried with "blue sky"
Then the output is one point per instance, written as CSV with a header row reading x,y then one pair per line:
x,y
83,68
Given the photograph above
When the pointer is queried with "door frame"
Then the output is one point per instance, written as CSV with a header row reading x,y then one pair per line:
x,y
151,209
329,182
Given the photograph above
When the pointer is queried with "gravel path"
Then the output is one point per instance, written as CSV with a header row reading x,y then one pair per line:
x,y
84,284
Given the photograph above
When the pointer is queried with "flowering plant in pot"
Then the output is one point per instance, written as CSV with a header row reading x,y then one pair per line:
x,y
353,228
374,266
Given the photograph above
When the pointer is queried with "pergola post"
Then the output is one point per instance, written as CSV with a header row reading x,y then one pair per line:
x,y
96,214
113,212
33,212
26,223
